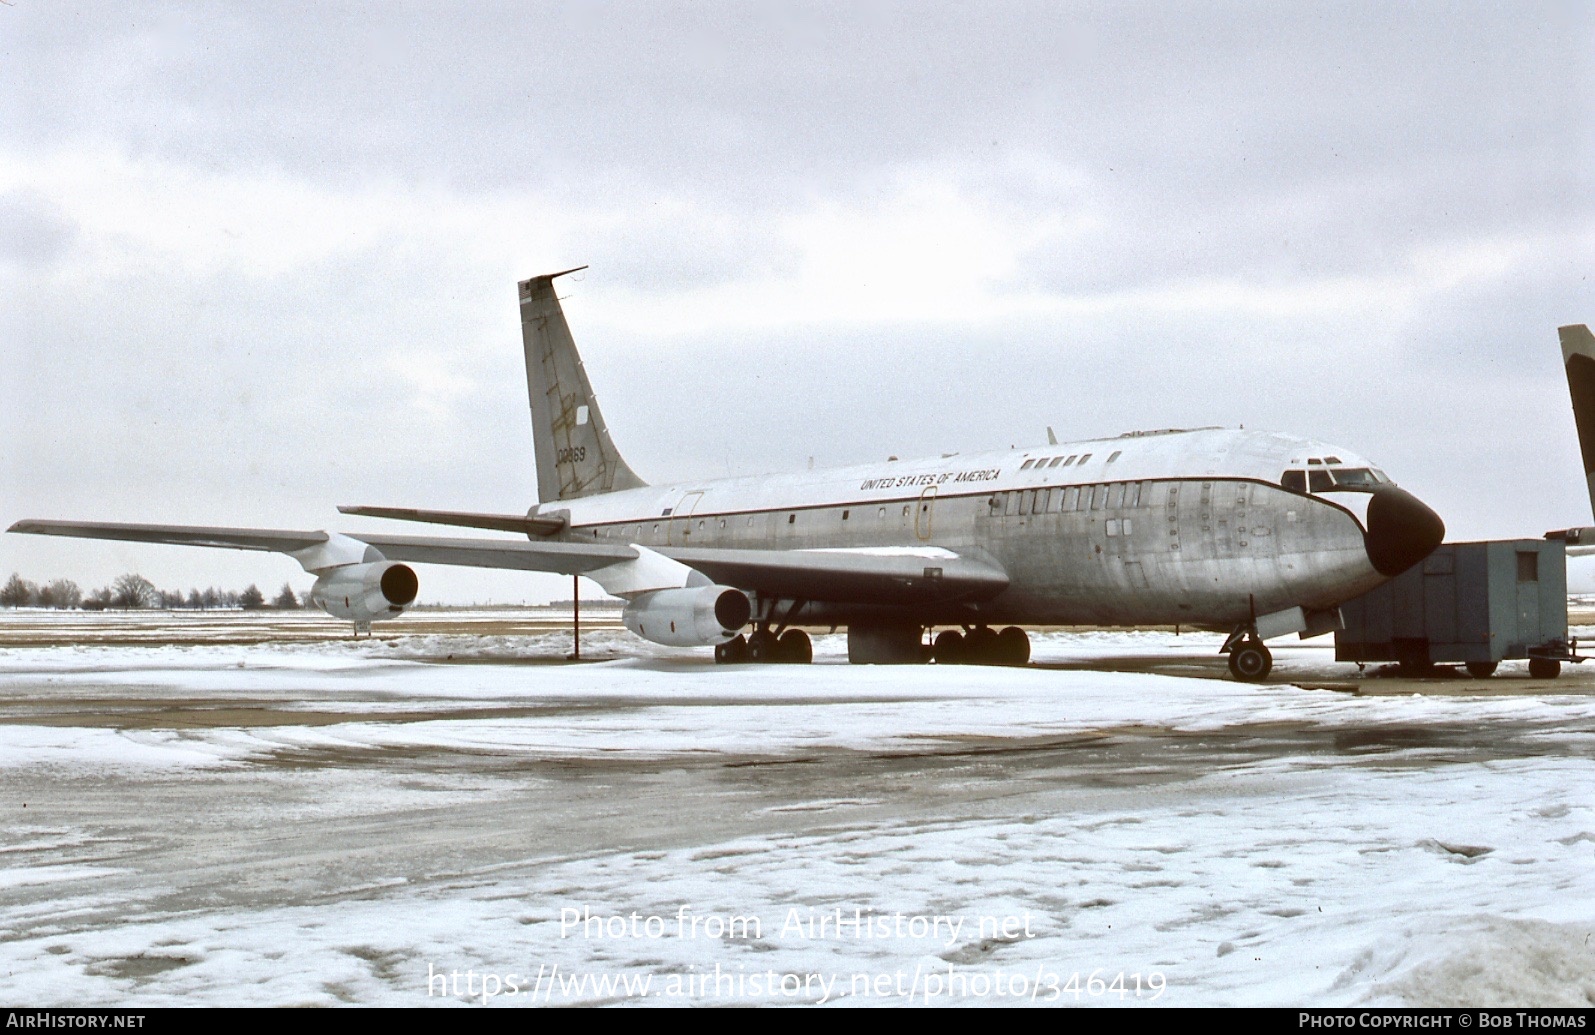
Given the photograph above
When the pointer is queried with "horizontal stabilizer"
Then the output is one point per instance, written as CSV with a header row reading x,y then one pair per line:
x,y
526,524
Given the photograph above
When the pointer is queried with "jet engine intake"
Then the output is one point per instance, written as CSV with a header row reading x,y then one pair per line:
x,y
366,593
698,616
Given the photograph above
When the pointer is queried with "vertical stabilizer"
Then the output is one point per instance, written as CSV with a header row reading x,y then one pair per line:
x,y
575,456
1578,353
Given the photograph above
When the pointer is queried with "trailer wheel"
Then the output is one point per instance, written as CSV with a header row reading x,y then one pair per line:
x,y
1481,669
1412,658
1544,668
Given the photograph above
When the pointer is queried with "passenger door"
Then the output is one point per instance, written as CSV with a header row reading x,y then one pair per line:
x,y
924,512
680,531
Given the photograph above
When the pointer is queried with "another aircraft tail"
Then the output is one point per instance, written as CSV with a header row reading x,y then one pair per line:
x,y
1578,353
575,456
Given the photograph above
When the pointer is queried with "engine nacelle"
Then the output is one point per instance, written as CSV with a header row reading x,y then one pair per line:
x,y
694,617
366,593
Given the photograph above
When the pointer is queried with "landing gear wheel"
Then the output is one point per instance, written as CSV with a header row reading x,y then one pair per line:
x,y
1544,668
1013,647
794,647
762,646
732,652
980,646
949,648
1250,662
1481,669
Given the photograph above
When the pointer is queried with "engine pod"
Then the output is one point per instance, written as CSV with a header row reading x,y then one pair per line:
x,y
698,616
366,593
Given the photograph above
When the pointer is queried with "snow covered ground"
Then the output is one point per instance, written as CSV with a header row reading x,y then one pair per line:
x,y
322,821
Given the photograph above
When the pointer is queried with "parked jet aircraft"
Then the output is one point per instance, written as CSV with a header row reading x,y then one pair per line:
x,y
1247,532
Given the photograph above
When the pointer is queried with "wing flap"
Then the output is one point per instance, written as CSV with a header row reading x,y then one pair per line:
x,y
851,576
559,558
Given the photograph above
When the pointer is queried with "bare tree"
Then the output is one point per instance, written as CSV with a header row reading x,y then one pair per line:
x,y
61,594
132,591
18,592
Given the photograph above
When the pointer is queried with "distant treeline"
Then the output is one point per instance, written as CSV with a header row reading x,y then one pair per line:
x,y
134,592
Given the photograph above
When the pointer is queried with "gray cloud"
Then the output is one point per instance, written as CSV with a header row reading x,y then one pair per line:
x,y
34,232
1321,161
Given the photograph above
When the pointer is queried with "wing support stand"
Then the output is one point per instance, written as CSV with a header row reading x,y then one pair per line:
x,y
575,618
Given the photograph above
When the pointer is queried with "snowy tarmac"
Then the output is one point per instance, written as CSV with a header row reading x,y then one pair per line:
x,y
246,810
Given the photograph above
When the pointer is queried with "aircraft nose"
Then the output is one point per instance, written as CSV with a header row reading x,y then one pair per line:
x,y
1401,531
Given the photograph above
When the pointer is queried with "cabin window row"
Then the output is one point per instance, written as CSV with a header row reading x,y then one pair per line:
x,y
1064,461
1054,461
685,525
1073,498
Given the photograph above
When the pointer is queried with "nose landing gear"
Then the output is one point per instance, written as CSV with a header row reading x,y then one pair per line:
x,y
1249,660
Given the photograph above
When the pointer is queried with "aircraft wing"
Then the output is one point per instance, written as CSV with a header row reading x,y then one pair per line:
x,y
1580,541
895,575
279,540
881,576
313,547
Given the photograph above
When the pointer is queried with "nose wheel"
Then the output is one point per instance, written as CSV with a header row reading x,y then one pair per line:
x,y
1250,661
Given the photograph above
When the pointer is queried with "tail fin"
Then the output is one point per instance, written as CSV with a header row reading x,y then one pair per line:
x,y
575,456
1578,352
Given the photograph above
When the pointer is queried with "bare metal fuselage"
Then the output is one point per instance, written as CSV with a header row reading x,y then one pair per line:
x,y
1188,528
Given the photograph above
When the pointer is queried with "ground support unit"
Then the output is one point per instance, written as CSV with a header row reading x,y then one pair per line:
x,y
1474,604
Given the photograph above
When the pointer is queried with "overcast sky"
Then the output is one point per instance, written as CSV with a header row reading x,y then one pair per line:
x,y
258,260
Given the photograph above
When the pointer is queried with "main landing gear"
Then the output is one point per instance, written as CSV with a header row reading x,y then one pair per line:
x,y
1249,660
904,644
982,645
882,644
791,647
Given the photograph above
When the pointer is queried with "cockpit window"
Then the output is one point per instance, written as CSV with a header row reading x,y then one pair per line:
x,y
1357,478
1319,479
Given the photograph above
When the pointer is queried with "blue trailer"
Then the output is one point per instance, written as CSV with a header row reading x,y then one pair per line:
x,y
1475,604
